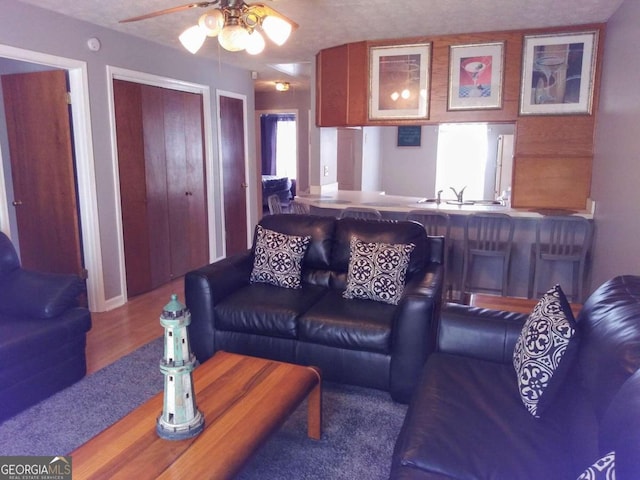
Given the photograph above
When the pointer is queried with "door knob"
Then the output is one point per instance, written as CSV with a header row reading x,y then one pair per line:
x,y
16,203
244,185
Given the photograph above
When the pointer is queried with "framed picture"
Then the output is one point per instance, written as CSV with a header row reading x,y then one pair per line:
x,y
409,136
399,82
475,76
558,73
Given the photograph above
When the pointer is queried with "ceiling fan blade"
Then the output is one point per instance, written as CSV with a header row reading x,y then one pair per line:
x,y
169,10
264,10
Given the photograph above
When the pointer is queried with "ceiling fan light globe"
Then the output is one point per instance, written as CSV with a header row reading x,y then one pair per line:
x,y
233,38
211,22
192,38
277,29
255,43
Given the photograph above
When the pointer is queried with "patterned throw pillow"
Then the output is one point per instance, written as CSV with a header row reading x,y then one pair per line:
x,y
603,469
377,270
278,258
545,351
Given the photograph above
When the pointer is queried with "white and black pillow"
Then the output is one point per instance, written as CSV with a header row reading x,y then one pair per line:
x,y
377,270
278,258
545,351
603,469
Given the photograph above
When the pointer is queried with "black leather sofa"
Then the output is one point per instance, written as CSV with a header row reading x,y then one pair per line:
x,y
42,333
354,341
466,419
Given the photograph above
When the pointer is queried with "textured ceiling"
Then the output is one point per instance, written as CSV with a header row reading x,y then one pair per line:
x,y
326,23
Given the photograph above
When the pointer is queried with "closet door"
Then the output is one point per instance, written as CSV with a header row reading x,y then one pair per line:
x,y
133,190
154,132
162,186
185,181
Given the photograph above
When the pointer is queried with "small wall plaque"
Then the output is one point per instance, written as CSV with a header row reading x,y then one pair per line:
x,y
409,136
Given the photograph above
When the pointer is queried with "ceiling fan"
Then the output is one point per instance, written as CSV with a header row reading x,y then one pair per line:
x,y
236,24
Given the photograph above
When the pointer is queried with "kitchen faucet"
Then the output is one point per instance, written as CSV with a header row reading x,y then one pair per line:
x,y
458,194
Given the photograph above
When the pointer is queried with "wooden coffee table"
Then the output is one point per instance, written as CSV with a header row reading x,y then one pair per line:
x,y
243,399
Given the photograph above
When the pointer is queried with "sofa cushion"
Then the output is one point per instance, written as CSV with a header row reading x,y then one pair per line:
x,y
602,469
545,351
278,258
348,323
379,232
264,309
319,228
466,420
377,271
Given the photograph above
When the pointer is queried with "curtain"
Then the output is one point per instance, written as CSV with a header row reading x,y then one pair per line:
x,y
268,135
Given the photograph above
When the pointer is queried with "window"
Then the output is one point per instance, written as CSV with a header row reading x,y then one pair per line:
x,y
462,160
286,158
279,149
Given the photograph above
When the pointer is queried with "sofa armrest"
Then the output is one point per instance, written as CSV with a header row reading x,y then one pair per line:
x,y
412,338
39,294
479,332
204,288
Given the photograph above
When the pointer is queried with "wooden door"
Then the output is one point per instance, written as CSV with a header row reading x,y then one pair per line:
x,y
43,173
186,193
142,185
162,183
235,187
349,145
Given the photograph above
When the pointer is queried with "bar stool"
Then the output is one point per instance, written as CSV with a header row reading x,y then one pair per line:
x,y
434,223
437,224
365,213
298,207
488,235
561,239
275,206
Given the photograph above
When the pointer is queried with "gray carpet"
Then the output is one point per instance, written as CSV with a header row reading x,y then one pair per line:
x,y
360,425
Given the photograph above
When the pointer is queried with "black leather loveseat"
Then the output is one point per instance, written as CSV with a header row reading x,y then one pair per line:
x,y
353,340
42,333
467,421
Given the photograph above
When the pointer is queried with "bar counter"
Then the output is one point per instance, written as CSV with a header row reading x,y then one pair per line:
x,y
486,274
392,205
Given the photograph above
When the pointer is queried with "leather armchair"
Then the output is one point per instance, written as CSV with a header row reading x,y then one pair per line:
x,y
42,333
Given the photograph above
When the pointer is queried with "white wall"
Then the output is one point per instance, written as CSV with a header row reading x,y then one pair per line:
x,y
409,171
34,29
371,159
328,156
616,166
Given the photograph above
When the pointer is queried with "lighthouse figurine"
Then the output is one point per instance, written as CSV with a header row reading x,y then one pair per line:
x,y
180,418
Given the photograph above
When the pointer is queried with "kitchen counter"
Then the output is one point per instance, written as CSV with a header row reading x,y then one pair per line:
x,y
396,204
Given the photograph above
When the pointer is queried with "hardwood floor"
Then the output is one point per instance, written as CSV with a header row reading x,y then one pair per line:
x,y
122,330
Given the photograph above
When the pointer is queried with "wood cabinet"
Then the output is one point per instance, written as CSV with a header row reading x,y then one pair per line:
x,y
341,88
162,183
553,154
